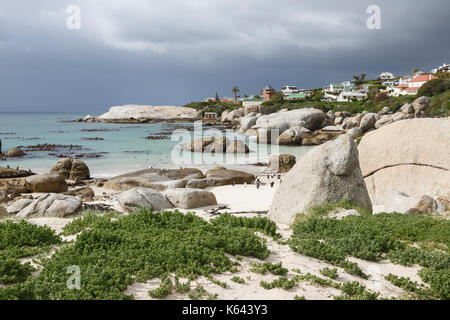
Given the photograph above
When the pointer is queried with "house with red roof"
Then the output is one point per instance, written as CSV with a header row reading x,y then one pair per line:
x,y
412,86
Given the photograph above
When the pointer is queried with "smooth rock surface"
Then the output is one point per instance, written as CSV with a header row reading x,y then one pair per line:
x,y
190,198
136,198
327,173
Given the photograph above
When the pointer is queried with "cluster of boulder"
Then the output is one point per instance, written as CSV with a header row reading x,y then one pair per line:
x,y
402,167
49,195
310,126
216,145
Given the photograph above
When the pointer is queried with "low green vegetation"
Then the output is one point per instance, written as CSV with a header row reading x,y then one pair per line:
x,y
19,240
262,268
404,239
114,253
330,273
282,283
217,282
237,279
199,292
261,224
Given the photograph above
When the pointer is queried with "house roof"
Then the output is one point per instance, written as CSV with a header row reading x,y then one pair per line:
x,y
267,88
423,77
296,96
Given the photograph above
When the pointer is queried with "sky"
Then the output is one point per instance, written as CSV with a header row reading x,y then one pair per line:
x,y
173,52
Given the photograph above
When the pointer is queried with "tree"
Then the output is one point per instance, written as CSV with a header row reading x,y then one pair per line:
x,y
414,70
359,80
217,97
235,90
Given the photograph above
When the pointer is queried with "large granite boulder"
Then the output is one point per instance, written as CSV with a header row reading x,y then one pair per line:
x,y
15,153
368,121
136,198
327,173
52,182
197,145
247,122
71,169
293,136
224,176
190,198
411,156
51,205
219,145
19,205
421,104
158,179
280,163
237,146
85,193
309,118
6,173
142,113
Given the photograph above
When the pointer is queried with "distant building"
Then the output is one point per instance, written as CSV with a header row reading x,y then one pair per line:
x,y
444,68
296,96
410,85
348,96
210,115
385,76
268,92
288,90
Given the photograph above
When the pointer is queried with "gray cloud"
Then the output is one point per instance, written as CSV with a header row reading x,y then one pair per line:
x,y
173,52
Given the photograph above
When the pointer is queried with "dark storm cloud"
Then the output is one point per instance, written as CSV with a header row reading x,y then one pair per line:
x,y
174,51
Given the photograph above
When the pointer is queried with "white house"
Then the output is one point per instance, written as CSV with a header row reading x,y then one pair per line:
x,y
289,90
347,96
444,68
385,76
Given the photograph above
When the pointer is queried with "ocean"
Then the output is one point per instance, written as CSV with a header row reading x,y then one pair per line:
x,y
111,149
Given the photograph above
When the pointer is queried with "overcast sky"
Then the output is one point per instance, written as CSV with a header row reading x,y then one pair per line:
x,y
174,51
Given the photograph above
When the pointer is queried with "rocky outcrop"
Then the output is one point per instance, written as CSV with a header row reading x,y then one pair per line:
x,y
327,173
51,182
190,198
158,179
143,113
19,205
14,153
224,176
136,198
215,145
71,169
6,173
410,156
309,118
85,193
280,163
51,205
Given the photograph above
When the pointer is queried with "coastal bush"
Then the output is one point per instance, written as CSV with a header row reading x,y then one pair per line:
x,y
434,87
330,273
19,240
237,279
281,282
262,224
262,268
134,248
403,239
88,219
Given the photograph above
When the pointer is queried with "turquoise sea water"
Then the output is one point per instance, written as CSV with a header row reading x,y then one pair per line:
x,y
124,146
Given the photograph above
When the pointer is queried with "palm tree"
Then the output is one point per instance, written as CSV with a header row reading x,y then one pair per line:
x,y
359,80
235,90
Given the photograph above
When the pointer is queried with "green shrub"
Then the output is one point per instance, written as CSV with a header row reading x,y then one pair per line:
x,y
262,268
330,273
434,87
261,224
134,248
238,279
